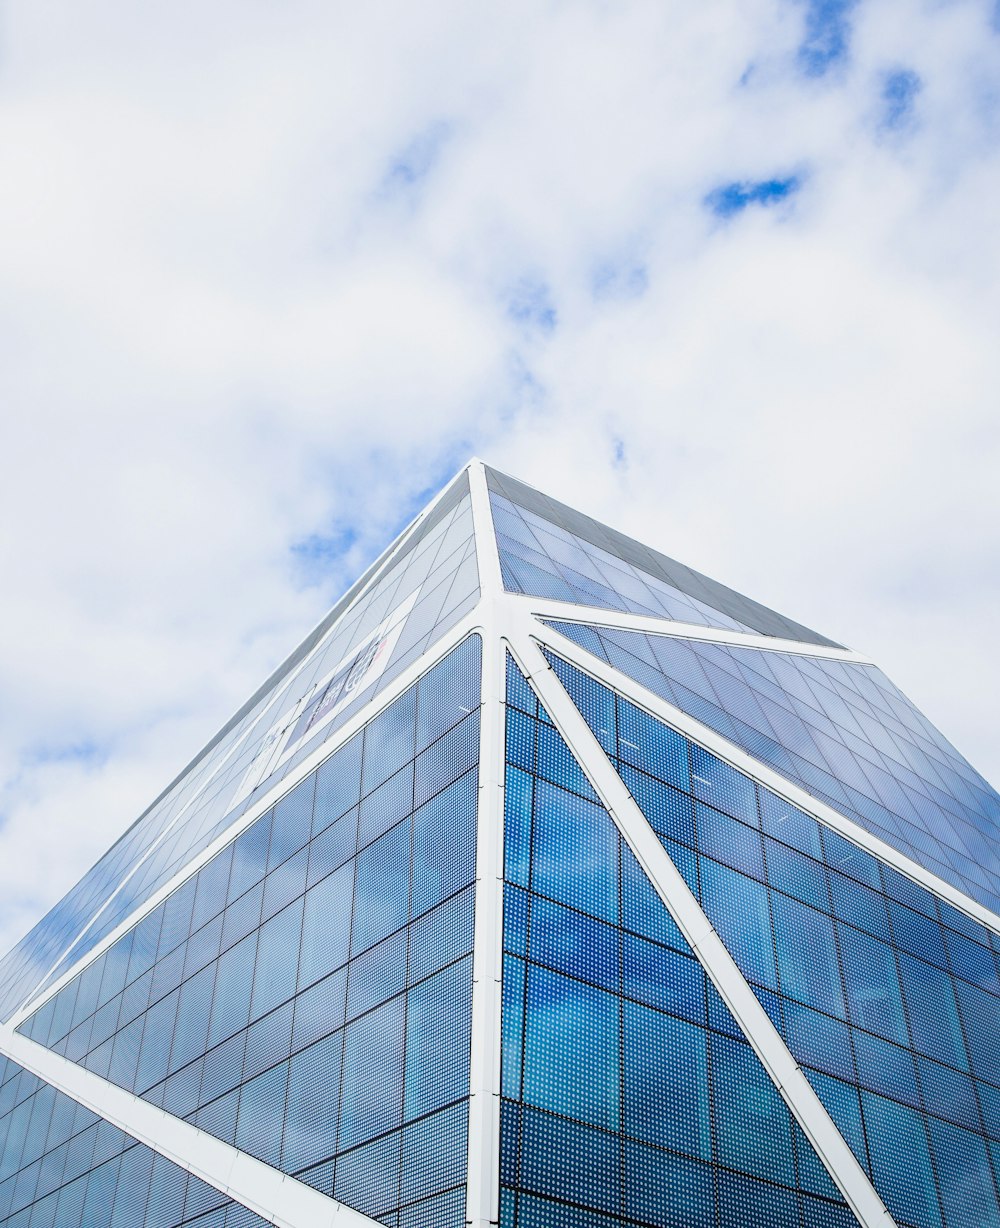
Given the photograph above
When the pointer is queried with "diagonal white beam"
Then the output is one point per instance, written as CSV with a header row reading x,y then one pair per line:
x,y
788,1078
594,616
278,1198
768,777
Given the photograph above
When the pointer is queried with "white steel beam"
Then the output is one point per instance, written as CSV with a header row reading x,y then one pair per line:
x,y
483,1190
594,616
483,1193
788,1078
278,1198
768,777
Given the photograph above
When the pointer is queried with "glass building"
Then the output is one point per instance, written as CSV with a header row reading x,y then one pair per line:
x,y
547,884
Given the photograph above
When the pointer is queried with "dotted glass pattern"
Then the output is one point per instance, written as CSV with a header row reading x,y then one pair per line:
x,y
888,997
306,995
440,568
630,1097
546,560
840,730
61,1166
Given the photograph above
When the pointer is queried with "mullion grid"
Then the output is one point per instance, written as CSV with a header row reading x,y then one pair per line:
x,y
807,1201
123,1145
944,854
934,910
435,785
138,841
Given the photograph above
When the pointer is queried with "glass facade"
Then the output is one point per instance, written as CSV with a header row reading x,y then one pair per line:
x,y
545,560
306,995
887,997
62,1166
420,592
550,550
840,730
630,1096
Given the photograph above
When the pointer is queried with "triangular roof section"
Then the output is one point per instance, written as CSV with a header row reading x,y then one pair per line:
x,y
536,536
484,533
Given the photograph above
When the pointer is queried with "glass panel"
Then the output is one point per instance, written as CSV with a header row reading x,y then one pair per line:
x,y
548,551
71,1169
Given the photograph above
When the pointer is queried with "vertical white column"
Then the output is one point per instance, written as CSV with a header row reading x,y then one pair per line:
x,y
484,1102
482,1208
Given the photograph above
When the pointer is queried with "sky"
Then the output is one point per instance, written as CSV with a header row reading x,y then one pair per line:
x,y
722,275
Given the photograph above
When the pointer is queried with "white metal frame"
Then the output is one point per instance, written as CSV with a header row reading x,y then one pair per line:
x,y
508,620
569,612
483,1194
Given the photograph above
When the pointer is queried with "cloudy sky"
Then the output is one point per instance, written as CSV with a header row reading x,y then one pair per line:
x,y
724,275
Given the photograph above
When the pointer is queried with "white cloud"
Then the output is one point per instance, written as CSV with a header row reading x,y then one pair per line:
x,y
225,325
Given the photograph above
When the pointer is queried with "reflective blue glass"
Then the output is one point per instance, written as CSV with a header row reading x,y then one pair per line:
x,y
570,1050
545,560
753,1128
627,1086
854,965
574,853
574,943
840,730
70,1169
325,1001
437,1071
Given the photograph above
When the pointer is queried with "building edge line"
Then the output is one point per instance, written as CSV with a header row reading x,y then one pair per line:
x,y
487,552
620,620
483,1188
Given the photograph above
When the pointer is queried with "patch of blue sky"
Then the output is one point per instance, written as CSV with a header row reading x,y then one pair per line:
x,y
827,35
318,555
415,161
619,279
453,456
898,98
86,752
530,305
731,198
